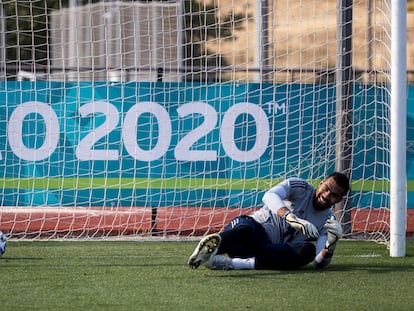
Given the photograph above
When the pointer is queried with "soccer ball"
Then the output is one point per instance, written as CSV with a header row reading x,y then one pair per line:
x,y
3,242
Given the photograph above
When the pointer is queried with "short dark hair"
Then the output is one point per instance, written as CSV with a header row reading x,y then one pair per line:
x,y
342,180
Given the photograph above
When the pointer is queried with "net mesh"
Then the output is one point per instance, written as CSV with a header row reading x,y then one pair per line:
x,y
143,118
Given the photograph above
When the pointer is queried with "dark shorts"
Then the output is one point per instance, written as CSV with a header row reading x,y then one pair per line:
x,y
243,237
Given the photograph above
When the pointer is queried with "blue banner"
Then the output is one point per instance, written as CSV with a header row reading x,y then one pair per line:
x,y
175,144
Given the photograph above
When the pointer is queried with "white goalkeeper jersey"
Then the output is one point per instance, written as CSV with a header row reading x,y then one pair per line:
x,y
298,196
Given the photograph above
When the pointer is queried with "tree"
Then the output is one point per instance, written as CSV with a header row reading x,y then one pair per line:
x,y
202,23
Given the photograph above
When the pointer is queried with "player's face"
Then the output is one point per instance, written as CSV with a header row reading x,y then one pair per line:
x,y
328,194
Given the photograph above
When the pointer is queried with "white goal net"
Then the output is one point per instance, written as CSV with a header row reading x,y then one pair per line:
x,y
169,118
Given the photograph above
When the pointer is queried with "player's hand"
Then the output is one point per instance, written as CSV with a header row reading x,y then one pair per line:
x,y
302,225
334,232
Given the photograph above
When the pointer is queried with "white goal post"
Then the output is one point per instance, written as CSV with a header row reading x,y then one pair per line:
x,y
169,118
398,182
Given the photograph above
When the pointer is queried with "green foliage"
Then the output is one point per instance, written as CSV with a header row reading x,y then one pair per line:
x,y
132,275
202,23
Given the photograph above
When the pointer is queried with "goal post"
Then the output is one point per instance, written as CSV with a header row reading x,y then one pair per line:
x,y
169,118
398,183
344,103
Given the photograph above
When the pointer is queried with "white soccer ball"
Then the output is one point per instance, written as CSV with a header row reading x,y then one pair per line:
x,y
3,243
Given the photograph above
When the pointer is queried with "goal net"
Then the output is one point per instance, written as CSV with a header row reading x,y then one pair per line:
x,y
169,118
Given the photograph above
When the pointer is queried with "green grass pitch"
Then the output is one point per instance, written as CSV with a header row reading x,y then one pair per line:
x,y
153,275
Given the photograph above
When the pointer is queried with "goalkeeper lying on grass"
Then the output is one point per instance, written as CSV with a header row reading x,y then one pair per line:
x,y
295,226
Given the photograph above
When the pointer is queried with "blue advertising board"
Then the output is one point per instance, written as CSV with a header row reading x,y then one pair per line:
x,y
172,144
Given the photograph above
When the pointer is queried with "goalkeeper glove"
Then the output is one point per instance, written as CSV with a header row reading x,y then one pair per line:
x,y
334,232
301,225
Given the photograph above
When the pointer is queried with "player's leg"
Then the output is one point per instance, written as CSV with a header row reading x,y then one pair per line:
x,y
206,248
285,256
242,238
270,257
220,262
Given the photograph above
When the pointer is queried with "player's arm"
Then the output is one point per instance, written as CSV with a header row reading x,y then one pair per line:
x,y
326,244
274,200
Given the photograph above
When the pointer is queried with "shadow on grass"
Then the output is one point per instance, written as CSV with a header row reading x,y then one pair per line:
x,y
338,268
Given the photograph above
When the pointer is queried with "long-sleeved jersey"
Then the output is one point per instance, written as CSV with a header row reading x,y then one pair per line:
x,y
297,195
